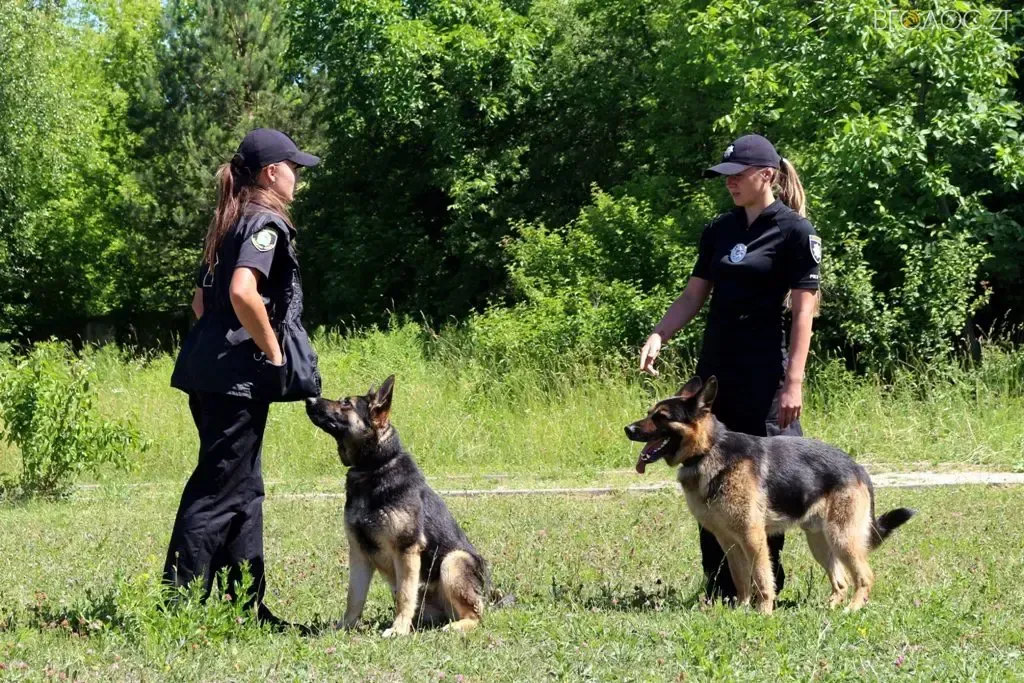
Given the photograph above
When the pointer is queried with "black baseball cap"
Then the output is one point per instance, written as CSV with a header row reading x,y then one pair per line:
x,y
744,152
265,146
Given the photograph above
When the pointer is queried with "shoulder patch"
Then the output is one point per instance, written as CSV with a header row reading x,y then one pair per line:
x,y
265,239
815,244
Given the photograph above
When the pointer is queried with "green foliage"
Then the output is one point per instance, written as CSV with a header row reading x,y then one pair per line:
x,y
423,105
590,289
462,140
63,185
48,405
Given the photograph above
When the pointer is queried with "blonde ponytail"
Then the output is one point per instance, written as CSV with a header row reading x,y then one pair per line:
x,y
791,191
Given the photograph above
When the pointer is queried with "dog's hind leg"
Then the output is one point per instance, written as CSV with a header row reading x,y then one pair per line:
x,y
360,573
848,535
462,590
819,546
755,547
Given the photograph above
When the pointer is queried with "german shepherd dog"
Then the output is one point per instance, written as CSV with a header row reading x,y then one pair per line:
x,y
396,524
744,488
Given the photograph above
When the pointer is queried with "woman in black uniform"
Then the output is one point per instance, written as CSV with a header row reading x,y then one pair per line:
x,y
751,260
247,349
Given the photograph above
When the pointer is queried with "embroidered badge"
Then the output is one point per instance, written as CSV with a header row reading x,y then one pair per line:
x,y
265,239
728,152
815,243
737,253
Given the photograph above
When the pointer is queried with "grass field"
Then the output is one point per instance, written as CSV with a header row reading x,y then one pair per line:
x,y
606,586
606,591
458,416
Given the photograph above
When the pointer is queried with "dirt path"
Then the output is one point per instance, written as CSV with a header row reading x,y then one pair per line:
x,y
880,480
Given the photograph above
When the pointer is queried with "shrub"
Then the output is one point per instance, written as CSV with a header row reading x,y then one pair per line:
x,y
591,291
48,409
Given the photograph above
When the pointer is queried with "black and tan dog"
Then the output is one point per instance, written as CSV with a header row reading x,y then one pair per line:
x,y
397,524
744,488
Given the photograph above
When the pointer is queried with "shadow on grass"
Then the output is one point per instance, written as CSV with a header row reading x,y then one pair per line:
x,y
661,596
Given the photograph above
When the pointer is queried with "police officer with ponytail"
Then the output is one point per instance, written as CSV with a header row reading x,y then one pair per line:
x,y
247,350
755,262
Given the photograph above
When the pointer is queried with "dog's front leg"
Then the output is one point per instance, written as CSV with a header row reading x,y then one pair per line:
x,y
755,547
407,581
738,569
360,573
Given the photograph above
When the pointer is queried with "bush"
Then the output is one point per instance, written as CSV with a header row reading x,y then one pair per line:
x,y
592,291
48,409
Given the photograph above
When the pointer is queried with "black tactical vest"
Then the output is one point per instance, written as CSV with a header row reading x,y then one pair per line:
x,y
218,355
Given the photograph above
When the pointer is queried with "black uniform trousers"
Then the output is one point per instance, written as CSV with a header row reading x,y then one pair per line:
x,y
748,404
220,517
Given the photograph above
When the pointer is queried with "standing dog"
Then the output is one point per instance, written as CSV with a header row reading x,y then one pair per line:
x,y
396,524
744,488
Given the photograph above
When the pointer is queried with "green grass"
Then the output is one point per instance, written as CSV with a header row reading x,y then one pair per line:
x,y
606,591
606,586
461,417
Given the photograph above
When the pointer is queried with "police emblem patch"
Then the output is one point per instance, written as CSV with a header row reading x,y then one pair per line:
x,y
815,243
265,239
737,253
728,152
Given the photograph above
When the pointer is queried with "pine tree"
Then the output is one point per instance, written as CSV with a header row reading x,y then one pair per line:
x,y
222,71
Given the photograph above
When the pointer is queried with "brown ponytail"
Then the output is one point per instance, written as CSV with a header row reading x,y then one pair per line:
x,y
791,191
236,187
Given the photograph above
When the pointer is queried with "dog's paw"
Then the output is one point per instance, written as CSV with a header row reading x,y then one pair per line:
x,y
396,630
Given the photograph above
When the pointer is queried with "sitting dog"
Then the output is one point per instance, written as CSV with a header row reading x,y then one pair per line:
x,y
744,488
397,524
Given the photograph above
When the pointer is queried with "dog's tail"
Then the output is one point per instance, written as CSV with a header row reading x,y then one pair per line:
x,y
496,598
882,526
499,599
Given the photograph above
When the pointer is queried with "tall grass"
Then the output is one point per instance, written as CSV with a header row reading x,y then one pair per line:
x,y
463,414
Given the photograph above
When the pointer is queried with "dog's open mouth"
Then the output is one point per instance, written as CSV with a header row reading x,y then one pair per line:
x,y
652,451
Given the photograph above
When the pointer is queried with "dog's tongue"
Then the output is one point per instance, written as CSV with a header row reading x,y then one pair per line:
x,y
645,454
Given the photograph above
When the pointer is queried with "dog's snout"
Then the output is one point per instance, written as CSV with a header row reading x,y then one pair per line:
x,y
311,401
630,430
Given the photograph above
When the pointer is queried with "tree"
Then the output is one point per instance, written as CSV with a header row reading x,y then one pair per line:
x,y
424,107
221,70
62,177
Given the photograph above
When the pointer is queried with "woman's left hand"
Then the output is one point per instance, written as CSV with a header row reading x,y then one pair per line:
x,y
790,401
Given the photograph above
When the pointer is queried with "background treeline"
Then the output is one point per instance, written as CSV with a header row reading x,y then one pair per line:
x,y
527,169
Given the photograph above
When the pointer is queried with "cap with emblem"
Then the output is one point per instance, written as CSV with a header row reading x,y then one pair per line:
x,y
265,146
749,150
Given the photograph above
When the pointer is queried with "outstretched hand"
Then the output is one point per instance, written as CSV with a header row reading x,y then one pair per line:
x,y
649,353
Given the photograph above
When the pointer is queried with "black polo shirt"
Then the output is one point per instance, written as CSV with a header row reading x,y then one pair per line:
x,y
751,269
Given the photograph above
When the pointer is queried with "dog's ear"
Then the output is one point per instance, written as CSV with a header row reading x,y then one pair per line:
x,y
708,393
691,388
380,406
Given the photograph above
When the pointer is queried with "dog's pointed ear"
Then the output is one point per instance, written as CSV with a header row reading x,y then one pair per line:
x,y
380,406
691,388
708,393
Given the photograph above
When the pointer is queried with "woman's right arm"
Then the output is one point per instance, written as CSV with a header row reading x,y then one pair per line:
x,y
251,312
679,313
